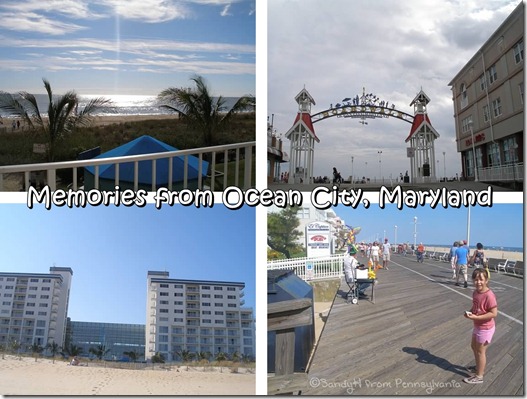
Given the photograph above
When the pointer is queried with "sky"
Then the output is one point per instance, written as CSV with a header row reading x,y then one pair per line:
x,y
111,249
105,47
499,226
391,48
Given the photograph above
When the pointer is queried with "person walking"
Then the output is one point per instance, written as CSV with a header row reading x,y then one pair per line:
x,y
478,258
386,248
461,258
484,311
375,253
453,258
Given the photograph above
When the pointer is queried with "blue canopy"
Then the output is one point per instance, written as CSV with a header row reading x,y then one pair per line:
x,y
149,145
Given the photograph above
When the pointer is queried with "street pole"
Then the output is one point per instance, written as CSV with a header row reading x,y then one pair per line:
x,y
444,165
395,235
415,232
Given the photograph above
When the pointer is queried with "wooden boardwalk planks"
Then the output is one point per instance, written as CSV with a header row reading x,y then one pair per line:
x,y
414,339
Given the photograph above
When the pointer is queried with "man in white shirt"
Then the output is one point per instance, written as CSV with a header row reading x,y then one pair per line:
x,y
386,247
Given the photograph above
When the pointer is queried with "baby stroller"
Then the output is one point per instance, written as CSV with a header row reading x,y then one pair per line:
x,y
353,293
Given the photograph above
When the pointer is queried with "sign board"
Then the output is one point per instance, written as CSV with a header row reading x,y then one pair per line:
x,y
410,152
318,239
309,271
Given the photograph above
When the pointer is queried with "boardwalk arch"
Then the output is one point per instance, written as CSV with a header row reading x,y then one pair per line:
x,y
367,106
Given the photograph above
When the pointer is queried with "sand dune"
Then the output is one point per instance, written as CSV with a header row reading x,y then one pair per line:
x,y
27,377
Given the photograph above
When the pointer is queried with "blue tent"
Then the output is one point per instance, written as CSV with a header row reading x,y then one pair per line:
x,y
145,145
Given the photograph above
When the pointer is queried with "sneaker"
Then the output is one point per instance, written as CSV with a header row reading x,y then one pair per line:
x,y
362,295
471,370
473,380
465,285
457,284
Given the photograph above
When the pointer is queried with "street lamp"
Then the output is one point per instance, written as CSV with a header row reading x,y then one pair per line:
x,y
366,170
352,177
395,235
415,232
444,165
380,164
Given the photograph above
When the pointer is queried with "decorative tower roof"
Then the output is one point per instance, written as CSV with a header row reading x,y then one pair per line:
x,y
421,121
303,120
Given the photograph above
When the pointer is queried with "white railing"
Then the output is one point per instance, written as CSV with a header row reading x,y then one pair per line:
x,y
513,172
311,268
52,167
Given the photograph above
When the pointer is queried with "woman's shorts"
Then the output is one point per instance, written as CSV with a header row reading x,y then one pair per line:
x,y
483,336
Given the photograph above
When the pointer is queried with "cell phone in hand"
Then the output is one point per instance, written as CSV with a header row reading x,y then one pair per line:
x,y
468,313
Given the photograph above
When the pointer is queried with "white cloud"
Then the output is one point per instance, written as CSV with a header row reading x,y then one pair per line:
x,y
225,11
31,22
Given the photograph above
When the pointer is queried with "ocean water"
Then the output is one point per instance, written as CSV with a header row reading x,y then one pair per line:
x,y
123,104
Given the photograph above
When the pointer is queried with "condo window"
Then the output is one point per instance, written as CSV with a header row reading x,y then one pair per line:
x,y
492,74
496,106
518,52
520,87
464,96
466,124
218,288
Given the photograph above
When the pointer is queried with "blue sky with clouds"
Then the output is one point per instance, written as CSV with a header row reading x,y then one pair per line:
x,y
127,46
111,250
500,225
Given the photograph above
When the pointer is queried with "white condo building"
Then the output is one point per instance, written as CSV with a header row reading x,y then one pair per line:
x,y
196,316
34,307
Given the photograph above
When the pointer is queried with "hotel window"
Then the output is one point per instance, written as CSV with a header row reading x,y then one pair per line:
x,y
178,294
178,303
231,296
231,289
46,280
178,320
520,87
42,313
231,305
207,321
493,153
486,113
218,312
218,288
205,287
464,96
466,124
163,294
496,106
178,285
510,150
303,213
34,280
163,310
10,279
163,302
206,312
518,52
205,295
492,74
219,305
29,313
163,329
45,288
41,323
163,285
218,296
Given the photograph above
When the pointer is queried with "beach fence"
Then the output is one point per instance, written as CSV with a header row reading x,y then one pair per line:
x,y
239,172
311,268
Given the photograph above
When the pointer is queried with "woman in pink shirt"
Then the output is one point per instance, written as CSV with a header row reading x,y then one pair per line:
x,y
484,311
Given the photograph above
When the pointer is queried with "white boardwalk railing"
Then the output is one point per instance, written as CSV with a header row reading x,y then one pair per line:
x,y
241,151
311,268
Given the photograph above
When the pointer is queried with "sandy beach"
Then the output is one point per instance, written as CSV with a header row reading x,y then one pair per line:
x,y
26,377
